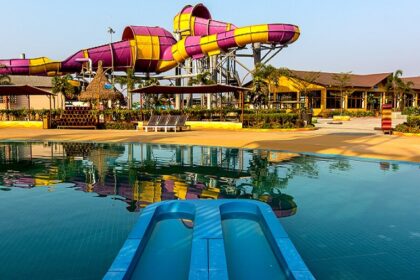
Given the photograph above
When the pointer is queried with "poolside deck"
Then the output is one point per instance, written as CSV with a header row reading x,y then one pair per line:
x,y
355,138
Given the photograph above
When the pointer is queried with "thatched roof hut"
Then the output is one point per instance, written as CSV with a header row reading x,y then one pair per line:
x,y
100,88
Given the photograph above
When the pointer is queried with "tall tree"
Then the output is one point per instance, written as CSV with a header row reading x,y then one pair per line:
x,y
343,82
303,83
265,79
204,78
5,80
398,88
406,89
62,84
393,83
149,100
128,83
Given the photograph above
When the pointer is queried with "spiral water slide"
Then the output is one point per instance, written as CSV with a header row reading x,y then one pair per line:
x,y
154,49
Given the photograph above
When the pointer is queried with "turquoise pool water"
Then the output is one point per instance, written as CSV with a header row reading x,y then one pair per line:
x,y
67,208
244,237
167,252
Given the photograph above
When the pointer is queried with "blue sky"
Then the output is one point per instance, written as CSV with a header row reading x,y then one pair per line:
x,y
360,36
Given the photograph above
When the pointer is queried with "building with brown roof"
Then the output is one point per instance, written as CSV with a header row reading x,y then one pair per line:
x,y
37,102
415,81
414,96
362,92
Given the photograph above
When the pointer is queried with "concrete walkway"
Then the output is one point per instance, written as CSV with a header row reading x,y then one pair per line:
x,y
355,125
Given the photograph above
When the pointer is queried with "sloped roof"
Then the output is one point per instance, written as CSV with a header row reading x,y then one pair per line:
x,y
415,80
22,90
97,89
362,81
34,81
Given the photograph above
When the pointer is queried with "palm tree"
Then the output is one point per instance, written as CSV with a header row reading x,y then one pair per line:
x,y
62,84
343,82
395,86
128,82
150,100
264,77
407,88
204,78
5,80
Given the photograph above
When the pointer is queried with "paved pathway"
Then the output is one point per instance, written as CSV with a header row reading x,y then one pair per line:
x,y
355,125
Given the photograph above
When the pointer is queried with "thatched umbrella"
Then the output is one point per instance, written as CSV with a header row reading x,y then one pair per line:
x,y
100,88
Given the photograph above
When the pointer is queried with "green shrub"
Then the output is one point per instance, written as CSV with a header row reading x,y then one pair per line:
x,y
326,114
360,114
411,126
260,118
273,120
29,114
337,112
407,129
411,111
413,121
119,125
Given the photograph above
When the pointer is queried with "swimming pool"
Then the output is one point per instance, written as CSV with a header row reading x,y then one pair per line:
x,y
67,208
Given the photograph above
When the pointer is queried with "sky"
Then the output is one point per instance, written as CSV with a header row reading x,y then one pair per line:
x,y
362,36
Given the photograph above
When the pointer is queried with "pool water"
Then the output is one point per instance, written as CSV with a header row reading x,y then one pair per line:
x,y
244,237
67,208
59,234
167,252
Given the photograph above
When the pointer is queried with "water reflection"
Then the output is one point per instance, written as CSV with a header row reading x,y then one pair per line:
x,y
140,174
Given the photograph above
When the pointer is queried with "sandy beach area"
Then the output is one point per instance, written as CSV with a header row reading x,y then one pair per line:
x,y
355,138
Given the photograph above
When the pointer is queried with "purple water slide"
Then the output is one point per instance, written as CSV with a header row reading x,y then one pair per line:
x,y
154,49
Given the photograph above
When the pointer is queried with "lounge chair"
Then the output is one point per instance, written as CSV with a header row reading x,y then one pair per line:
x,y
153,121
171,124
182,123
163,121
167,122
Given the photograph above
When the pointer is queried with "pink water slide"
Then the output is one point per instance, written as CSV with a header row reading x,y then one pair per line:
x,y
154,49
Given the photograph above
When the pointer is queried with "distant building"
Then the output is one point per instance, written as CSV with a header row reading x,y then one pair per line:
x,y
35,102
413,98
367,92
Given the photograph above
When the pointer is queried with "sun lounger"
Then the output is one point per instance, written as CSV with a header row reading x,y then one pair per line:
x,y
182,123
167,123
153,121
171,124
163,121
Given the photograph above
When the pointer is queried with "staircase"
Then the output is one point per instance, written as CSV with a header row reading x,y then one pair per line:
x,y
77,117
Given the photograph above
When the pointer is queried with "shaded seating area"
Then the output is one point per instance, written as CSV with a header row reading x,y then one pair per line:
x,y
181,91
13,90
25,90
176,123
167,122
